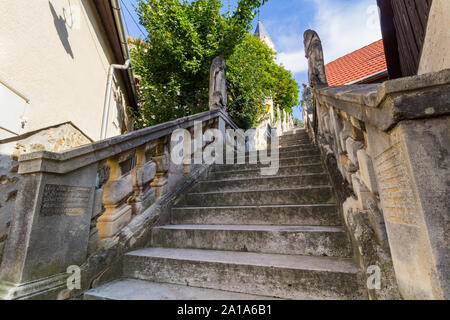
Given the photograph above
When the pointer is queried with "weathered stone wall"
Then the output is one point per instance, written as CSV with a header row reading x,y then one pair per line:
x,y
387,148
81,202
55,139
341,139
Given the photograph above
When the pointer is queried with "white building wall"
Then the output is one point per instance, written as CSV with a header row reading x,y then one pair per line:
x,y
56,54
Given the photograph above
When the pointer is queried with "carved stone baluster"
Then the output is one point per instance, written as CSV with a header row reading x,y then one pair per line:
x,y
279,123
143,175
160,183
115,195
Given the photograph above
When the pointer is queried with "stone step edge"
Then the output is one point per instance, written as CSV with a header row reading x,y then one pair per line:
x,y
273,190
260,163
265,177
171,291
264,259
283,149
258,207
259,169
255,228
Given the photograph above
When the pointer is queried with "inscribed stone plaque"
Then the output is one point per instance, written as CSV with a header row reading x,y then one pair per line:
x,y
396,186
61,200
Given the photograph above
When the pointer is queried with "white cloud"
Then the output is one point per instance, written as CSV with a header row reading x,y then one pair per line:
x,y
346,26
343,26
293,61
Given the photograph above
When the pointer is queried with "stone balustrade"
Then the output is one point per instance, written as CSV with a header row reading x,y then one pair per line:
x,y
387,148
70,202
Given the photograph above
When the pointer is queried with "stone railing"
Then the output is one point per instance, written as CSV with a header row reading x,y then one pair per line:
x,y
82,202
387,149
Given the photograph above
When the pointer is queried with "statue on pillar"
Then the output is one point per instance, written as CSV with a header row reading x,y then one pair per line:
x,y
218,85
314,54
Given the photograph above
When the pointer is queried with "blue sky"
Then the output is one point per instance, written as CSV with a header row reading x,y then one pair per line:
x,y
343,25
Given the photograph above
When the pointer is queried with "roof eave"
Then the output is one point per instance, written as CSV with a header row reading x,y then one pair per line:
x,y
110,17
369,77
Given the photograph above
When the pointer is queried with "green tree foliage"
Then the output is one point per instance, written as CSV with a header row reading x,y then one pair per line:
x,y
174,62
253,77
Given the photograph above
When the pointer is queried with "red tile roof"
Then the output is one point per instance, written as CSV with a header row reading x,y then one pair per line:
x,y
357,65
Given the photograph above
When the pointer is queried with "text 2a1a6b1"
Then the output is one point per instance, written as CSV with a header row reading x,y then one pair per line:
x,y
225,310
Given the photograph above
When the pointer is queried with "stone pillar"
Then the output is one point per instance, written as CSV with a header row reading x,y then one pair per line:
x,y
143,175
314,54
279,123
218,85
308,111
116,192
411,164
160,183
49,231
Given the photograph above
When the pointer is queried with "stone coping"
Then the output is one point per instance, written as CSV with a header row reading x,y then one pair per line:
x,y
70,160
385,104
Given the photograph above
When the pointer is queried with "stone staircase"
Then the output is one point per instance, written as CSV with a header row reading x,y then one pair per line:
x,y
242,236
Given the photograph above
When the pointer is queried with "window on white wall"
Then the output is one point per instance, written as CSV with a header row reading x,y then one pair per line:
x,y
12,110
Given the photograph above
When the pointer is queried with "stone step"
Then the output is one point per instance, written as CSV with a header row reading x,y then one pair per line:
x,y
294,142
255,173
284,162
296,240
292,147
294,132
295,137
297,147
308,195
282,276
299,153
263,183
133,289
311,215
284,152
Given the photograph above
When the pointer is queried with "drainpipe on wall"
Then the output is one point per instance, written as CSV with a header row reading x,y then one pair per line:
x,y
112,68
126,53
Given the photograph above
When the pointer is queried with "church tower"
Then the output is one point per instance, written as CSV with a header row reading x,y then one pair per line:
x,y
262,33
